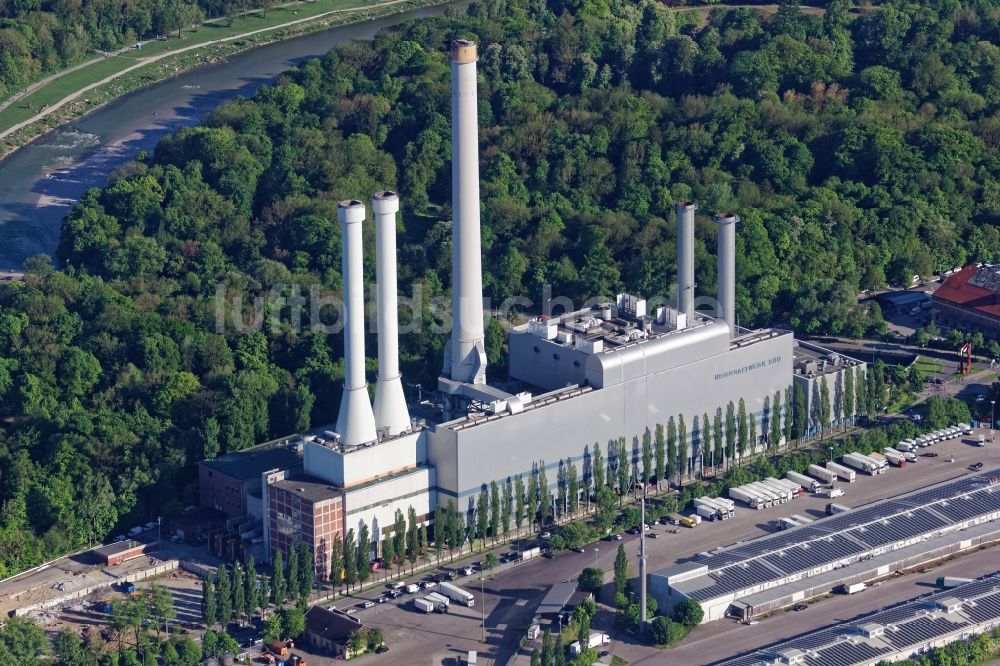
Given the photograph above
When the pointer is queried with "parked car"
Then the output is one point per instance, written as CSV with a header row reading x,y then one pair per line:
x,y
976,466
578,550
381,649
653,535
929,454
366,604
546,535
382,599
798,608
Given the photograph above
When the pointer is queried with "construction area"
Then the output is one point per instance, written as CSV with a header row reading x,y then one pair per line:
x,y
857,545
894,634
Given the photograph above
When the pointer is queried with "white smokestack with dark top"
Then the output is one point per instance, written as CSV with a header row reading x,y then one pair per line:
x,y
727,268
391,414
356,422
685,259
465,359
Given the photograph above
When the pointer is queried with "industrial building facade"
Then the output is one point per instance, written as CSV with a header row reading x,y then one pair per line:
x,y
969,300
859,545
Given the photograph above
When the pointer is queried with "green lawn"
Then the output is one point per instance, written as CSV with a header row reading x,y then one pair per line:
x,y
65,85
928,366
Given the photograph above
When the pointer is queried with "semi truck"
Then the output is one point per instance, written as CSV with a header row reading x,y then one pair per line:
x,y
944,582
727,508
833,508
777,496
822,473
906,446
439,598
796,488
851,589
895,457
787,523
861,463
807,483
831,492
705,508
596,639
424,605
882,465
457,594
748,497
843,473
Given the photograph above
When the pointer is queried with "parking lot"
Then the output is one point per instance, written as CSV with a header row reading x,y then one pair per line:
x,y
514,593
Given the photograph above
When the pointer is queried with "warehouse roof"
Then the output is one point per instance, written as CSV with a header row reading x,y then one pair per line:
x,y
902,629
310,488
903,298
974,287
251,463
842,538
556,598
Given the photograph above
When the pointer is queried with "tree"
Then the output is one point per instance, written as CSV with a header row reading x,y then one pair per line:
x,y
239,593
591,579
824,406
294,574
225,595
688,613
730,432
672,471
278,579
273,628
439,530
350,560
659,453
66,647
252,593
293,621
389,553
775,435
717,436
742,430
563,491
647,457
623,469
130,615
162,606
307,571
532,507
573,484
788,416
400,534
799,414
544,499
412,541
605,514
682,448
209,608
490,561
506,509
518,503
494,510
860,391
621,571
753,433
598,466
364,555
336,556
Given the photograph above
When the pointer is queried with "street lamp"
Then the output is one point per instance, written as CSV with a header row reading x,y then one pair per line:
x,y
482,604
831,453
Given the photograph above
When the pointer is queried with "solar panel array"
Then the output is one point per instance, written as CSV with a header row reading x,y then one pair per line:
x,y
848,535
908,626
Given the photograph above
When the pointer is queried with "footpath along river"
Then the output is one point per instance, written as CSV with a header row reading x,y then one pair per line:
x,y
42,180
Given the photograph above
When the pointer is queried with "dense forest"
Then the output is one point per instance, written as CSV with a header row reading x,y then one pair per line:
x,y
40,37
859,146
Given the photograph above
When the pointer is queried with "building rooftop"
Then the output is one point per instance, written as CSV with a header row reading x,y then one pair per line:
x,y
331,624
901,629
843,537
309,488
974,287
813,361
556,598
119,547
251,463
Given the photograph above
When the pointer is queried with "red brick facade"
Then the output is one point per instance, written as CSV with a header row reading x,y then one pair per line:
x,y
222,492
316,523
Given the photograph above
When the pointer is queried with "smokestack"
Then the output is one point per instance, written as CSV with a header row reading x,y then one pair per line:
x,y
685,259
727,268
391,415
356,422
465,359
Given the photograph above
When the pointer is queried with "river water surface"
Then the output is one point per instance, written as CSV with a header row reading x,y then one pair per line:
x,y
42,180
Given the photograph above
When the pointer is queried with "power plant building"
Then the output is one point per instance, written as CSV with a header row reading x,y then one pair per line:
x,y
592,376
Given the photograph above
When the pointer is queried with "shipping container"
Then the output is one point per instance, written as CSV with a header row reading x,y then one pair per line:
x,y
457,594
807,483
424,605
439,598
821,473
843,473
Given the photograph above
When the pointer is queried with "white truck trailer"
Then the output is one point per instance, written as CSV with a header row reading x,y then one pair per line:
x,y
895,457
860,463
807,483
596,639
727,508
906,446
705,508
843,473
796,488
439,598
881,464
822,473
776,497
457,594
424,605
751,498
411,588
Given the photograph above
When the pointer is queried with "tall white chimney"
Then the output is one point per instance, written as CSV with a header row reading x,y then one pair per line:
x,y
685,259
391,414
465,357
356,422
727,268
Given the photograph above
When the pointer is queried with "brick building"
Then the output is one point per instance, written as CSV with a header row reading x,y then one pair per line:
x,y
969,300
306,509
232,483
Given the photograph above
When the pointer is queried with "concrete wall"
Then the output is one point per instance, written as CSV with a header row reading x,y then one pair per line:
x,y
376,503
499,448
364,464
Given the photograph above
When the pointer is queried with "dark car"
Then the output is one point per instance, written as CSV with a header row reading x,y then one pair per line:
x,y
382,600
798,608
929,454
578,550
976,466
381,649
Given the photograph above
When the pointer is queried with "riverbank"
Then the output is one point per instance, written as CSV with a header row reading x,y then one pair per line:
x,y
149,69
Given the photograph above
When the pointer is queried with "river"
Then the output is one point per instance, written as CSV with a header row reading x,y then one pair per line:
x,y
42,180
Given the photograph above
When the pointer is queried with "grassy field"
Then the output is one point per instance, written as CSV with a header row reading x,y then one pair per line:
x,y
65,85
928,366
